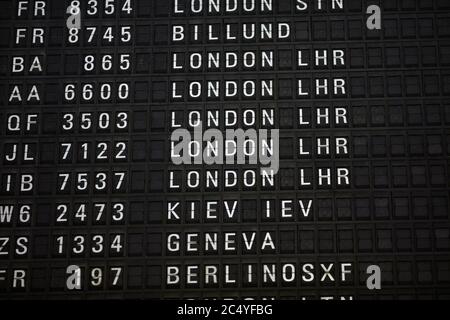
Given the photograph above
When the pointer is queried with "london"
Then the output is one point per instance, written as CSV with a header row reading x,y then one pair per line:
x,y
222,6
216,89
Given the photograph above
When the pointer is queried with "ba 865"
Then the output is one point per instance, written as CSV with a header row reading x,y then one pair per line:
x,y
106,62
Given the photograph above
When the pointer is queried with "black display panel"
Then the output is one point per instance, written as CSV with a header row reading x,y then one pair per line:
x,y
229,149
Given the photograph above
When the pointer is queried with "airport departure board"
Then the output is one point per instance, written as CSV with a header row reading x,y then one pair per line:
x,y
225,149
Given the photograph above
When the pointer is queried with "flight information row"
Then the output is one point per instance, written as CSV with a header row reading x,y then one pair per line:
x,y
221,31
340,85
103,150
160,119
191,241
342,175
112,9
218,59
171,210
